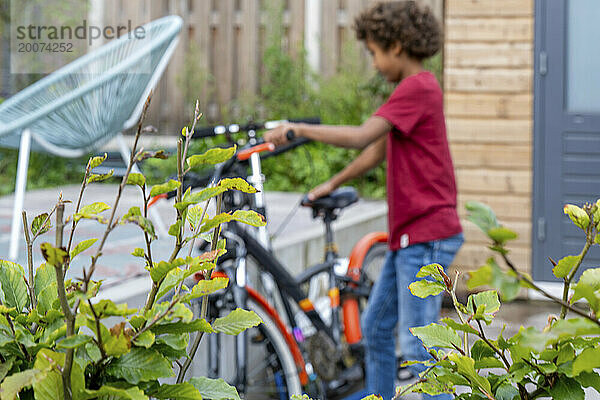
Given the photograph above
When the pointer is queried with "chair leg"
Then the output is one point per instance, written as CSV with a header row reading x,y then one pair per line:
x,y
20,185
154,215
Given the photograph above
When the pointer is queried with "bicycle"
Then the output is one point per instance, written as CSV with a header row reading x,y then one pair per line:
x,y
297,348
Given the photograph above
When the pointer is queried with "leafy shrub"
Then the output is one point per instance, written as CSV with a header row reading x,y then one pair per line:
x,y
54,338
557,361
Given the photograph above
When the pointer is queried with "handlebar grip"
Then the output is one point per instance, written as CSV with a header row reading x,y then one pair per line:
x,y
290,135
203,132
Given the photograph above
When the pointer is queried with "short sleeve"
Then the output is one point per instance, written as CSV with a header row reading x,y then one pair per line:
x,y
405,106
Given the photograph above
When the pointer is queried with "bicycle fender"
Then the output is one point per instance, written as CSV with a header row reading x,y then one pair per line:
x,y
350,310
284,331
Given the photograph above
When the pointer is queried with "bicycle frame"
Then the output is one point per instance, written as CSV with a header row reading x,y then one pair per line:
x,y
255,242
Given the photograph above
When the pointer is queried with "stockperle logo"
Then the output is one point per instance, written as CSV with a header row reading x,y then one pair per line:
x,y
48,34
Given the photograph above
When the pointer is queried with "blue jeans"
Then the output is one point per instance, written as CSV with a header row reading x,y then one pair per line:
x,y
391,302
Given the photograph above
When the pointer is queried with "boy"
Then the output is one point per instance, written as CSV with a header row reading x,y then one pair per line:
x,y
409,130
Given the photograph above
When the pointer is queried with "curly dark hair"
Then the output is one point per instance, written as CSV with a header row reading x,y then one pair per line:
x,y
414,27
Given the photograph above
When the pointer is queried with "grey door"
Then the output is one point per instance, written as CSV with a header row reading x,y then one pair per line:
x,y
567,126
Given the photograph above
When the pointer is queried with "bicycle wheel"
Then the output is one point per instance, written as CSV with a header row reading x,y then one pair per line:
x,y
371,267
271,372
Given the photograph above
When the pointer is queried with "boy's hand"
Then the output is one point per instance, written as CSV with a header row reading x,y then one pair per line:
x,y
277,136
322,190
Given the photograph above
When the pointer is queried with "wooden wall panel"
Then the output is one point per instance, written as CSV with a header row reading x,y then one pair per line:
x,y
488,72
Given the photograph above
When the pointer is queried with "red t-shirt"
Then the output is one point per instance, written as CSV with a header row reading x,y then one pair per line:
x,y
421,188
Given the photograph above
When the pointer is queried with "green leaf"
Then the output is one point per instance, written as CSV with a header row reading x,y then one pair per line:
x,y
82,246
589,379
138,252
174,229
135,178
586,361
481,215
44,276
137,321
106,308
216,389
236,322
96,161
565,265
160,270
144,223
94,208
488,362
488,300
54,256
172,279
164,188
205,287
492,275
5,367
175,341
12,285
212,156
216,221
100,177
481,350
116,342
74,341
565,354
501,234
237,184
197,197
13,384
587,288
466,367
577,215
574,327
480,277
112,393
198,325
435,335
132,212
51,387
528,339
140,365
566,389
431,270
47,297
40,224
179,391
193,216
146,339
457,326
424,288
507,392
249,217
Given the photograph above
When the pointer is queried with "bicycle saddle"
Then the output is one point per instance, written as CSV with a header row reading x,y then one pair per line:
x,y
338,199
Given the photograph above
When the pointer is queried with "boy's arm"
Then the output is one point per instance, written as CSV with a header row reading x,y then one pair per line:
x,y
356,137
367,159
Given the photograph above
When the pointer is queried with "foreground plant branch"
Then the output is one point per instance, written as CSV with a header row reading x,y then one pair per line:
x,y
204,305
43,311
549,296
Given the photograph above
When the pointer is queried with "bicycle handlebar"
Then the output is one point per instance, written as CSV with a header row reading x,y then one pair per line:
x,y
266,149
215,130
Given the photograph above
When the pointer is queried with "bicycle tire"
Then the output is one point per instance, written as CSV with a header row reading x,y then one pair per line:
x,y
372,265
271,369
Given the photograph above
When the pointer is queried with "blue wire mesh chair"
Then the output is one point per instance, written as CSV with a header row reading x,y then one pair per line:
x,y
86,103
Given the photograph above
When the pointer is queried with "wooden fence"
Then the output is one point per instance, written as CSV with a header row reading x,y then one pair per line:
x,y
219,56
